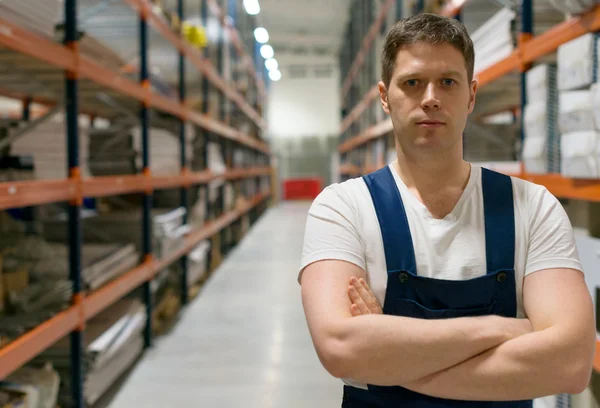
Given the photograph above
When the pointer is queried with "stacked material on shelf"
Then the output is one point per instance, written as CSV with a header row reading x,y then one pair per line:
x,y
111,150
169,232
122,227
541,149
41,287
216,164
570,7
44,380
493,41
49,157
164,149
576,66
198,262
113,342
577,70
38,16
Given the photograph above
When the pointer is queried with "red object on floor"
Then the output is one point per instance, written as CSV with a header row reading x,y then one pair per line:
x,y
301,188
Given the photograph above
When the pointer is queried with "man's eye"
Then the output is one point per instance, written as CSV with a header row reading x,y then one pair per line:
x,y
448,82
412,82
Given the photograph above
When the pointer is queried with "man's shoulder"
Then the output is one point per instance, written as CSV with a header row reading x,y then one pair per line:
x,y
525,192
351,191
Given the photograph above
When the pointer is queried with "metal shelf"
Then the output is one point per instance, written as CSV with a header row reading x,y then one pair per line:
x,y
23,349
30,193
18,42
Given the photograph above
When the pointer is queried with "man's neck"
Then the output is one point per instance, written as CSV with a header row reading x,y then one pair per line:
x,y
433,174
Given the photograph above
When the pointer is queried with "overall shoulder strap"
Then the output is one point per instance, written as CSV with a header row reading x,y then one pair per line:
x,y
499,216
395,231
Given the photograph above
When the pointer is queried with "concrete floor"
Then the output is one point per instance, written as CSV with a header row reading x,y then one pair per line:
x,y
243,342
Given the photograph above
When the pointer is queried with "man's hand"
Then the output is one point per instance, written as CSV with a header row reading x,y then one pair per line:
x,y
363,299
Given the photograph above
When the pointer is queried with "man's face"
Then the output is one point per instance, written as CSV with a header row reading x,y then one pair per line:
x,y
429,97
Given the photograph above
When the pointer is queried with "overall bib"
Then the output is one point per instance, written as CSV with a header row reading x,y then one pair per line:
x,y
411,295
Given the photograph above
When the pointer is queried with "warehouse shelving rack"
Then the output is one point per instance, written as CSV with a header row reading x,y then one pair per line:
x,y
529,49
19,43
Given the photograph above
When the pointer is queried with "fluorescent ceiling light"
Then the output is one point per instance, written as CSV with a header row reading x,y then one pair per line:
x,y
267,51
275,75
262,35
252,7
271,64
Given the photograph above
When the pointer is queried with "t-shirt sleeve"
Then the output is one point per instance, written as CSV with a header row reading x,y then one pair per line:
x,y
551,238
331,230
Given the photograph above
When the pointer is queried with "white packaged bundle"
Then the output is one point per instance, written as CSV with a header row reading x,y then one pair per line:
x,y
576,111
541,82
535,155
575,62
580,154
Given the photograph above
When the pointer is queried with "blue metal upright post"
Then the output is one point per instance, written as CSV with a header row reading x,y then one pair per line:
x,y
205,106
184,190
71,117
147,197
458,15
399,9
526,34
27,109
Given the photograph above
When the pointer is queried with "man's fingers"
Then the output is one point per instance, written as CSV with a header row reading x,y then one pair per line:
x,y
354,310
366,295
370,300
358,300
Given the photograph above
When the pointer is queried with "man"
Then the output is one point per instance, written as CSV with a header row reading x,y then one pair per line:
x,y
484,300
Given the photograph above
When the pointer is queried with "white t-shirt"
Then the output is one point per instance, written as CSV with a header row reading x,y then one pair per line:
x,y
342,224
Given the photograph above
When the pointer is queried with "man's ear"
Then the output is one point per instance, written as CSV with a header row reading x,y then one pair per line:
x,y
383,95
472,94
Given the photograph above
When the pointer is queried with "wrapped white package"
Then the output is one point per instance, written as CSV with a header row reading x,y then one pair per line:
x,y
541,82
535,155
575,62
579,152
576,111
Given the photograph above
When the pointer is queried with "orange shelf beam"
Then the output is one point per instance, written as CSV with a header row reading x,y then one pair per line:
x,y
368,135
102,298
37,192
20,40
366,45
23,349
32,343
563,187
29,193
360,108
597,357
451,8
113,185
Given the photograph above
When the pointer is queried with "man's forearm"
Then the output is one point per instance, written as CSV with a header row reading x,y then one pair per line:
x,y
392,350
533,365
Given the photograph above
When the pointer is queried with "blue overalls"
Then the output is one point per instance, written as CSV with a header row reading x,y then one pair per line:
x,y
411,295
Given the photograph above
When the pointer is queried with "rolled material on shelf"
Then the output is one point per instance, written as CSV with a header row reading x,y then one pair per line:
x,y
38,16
541,149
113,341
44,379
576,62
493,41
573,6
197,262
576,111
580,154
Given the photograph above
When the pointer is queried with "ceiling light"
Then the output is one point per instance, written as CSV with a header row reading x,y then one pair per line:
x,y
271,64
267,51
252,7
262,35
275,75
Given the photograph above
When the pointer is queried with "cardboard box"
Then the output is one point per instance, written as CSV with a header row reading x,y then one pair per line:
x,y
15,281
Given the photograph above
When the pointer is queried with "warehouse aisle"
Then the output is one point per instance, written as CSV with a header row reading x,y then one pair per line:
x,y
243,342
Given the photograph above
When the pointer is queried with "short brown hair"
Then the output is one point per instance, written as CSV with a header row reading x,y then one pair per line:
x,y
431,28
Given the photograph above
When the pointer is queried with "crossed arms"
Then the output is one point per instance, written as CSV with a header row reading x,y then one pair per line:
x,y
473,358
